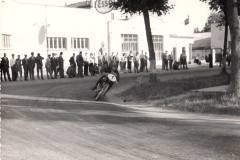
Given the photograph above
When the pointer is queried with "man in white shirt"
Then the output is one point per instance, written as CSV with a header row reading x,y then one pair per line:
x,y
136,62
13,68
86,64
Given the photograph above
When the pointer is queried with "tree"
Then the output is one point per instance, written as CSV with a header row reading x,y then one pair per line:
x,y
214,18
207,27
220,18
232,12
230,9
159,7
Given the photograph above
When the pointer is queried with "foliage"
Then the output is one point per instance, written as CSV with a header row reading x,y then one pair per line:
x,y
219,13
159,7
215,5
217,17
214,18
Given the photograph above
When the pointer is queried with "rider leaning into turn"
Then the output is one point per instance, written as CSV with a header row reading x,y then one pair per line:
x,y
112,70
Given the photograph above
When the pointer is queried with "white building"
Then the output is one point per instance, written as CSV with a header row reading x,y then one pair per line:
x,y
47,29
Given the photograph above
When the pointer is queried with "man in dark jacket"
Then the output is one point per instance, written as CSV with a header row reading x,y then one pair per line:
x,y
31,63
19,66
1,69
61,65
72,65
80,62
210,60
5,67
25,67
54,64
39,59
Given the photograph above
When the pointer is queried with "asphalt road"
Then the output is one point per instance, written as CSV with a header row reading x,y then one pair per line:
x,y
60,128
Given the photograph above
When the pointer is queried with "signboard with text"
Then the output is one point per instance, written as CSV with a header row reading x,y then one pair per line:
x,y
103,6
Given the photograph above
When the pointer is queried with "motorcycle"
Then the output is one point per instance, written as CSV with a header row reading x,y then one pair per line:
x,y
104,85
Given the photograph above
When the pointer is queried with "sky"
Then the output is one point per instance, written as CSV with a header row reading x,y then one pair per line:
x,y
197,11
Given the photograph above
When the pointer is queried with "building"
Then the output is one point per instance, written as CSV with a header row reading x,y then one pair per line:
x,y
201,45
72,28
210,43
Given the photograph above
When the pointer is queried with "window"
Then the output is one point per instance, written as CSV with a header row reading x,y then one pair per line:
x,y
158,45
6,39
129,43
60,42
78,43
56,43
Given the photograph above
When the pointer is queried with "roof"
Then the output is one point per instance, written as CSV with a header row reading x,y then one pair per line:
x,y
201,44
198,36
82,4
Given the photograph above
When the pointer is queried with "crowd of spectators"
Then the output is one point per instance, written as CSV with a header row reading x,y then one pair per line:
x,y
81,65
29,68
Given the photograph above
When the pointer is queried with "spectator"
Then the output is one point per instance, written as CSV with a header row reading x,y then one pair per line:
x,y
39,59
136,62
25,64
86,64
165,60
206,58
48,67
80,63
117,60
181,61
185,61
121,61
73,65
228,58
19,67
91,64
176,65
32,61
146,62
54,64
61,65
105,63
13,67
1,70
5,67
129,60
141,61
210,60
219,59
100,63
170,60
124,61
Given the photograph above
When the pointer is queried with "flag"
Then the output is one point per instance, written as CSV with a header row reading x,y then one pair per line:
x,y
186,21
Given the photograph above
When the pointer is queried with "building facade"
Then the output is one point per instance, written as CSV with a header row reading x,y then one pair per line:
x,y
47,29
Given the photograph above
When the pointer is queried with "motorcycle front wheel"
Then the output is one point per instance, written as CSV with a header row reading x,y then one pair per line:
x,y
102,92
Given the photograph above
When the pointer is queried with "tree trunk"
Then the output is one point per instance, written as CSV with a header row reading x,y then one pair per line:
x,y
152,58
232,13
224,70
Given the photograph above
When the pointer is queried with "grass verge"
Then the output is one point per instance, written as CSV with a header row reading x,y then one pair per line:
x,y
205,102
164,89
200,102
